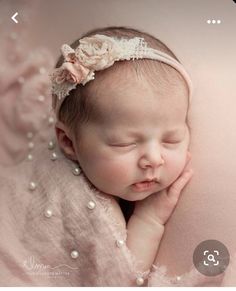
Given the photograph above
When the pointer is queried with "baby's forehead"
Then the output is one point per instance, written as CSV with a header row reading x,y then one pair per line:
x,y
139,100
147,74
142,113
127,95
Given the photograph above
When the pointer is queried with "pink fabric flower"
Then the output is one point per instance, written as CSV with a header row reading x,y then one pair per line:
x,y
71,72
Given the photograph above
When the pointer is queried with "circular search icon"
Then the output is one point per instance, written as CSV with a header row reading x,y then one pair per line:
x,y
211,257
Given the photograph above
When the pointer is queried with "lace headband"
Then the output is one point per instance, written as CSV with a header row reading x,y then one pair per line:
x,y
97,53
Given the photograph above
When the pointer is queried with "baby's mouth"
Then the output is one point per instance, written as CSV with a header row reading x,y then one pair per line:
x,y
144,185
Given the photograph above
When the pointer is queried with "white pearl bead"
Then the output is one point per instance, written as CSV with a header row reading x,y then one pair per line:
x,y
30,145
41,98
139,281
50,120
53,156
120,243
32,186
48,213
30,157
74,254
91,205
178,278
29,135
76,171
51,145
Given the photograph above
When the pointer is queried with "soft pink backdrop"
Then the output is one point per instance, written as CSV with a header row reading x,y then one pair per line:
x,y
208,205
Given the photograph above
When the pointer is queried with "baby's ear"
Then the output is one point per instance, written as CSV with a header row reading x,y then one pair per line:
x,y
65,140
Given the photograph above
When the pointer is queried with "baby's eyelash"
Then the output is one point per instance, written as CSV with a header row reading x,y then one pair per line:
x,y
172,141
123,145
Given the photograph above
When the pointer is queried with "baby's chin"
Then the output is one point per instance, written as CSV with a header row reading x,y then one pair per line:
x,y
137,196
131,195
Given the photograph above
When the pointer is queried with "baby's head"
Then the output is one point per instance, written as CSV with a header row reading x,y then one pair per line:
x,y
129,123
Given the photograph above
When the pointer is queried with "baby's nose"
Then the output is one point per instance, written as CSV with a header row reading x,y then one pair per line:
x,y
152,158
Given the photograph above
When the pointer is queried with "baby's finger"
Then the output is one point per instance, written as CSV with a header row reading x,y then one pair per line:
x,y
189,156
179,184
187,163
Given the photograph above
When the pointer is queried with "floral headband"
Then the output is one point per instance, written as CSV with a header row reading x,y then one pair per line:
x,y
97,53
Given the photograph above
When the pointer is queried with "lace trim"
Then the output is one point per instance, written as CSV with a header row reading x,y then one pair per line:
x,y
63,89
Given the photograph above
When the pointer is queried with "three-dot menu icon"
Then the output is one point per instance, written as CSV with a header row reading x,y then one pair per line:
x,y
214,21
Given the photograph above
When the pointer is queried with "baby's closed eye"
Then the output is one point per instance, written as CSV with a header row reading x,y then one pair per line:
x,y
124,144
172,140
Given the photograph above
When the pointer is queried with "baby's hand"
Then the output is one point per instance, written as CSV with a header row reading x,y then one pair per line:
x,y
158,207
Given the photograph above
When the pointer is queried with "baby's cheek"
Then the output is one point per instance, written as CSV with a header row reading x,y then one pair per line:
x,y
116,172
175,166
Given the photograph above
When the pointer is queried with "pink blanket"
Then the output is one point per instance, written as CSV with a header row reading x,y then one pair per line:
x,y
48,235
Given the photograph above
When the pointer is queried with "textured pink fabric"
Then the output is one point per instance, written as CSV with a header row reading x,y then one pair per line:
x,y
28,238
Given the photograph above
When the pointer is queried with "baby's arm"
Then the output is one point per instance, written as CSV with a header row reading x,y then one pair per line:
x,y
146,225
143,238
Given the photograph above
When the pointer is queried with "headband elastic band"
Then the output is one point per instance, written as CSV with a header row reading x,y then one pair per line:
x,y
99,52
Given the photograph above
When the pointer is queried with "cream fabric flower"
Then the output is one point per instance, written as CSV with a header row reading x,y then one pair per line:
x,y
97,53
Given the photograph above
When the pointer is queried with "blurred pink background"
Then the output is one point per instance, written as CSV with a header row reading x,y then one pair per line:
x,y
208,205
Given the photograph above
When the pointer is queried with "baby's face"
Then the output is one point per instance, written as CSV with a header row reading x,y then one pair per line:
x,y
142,134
